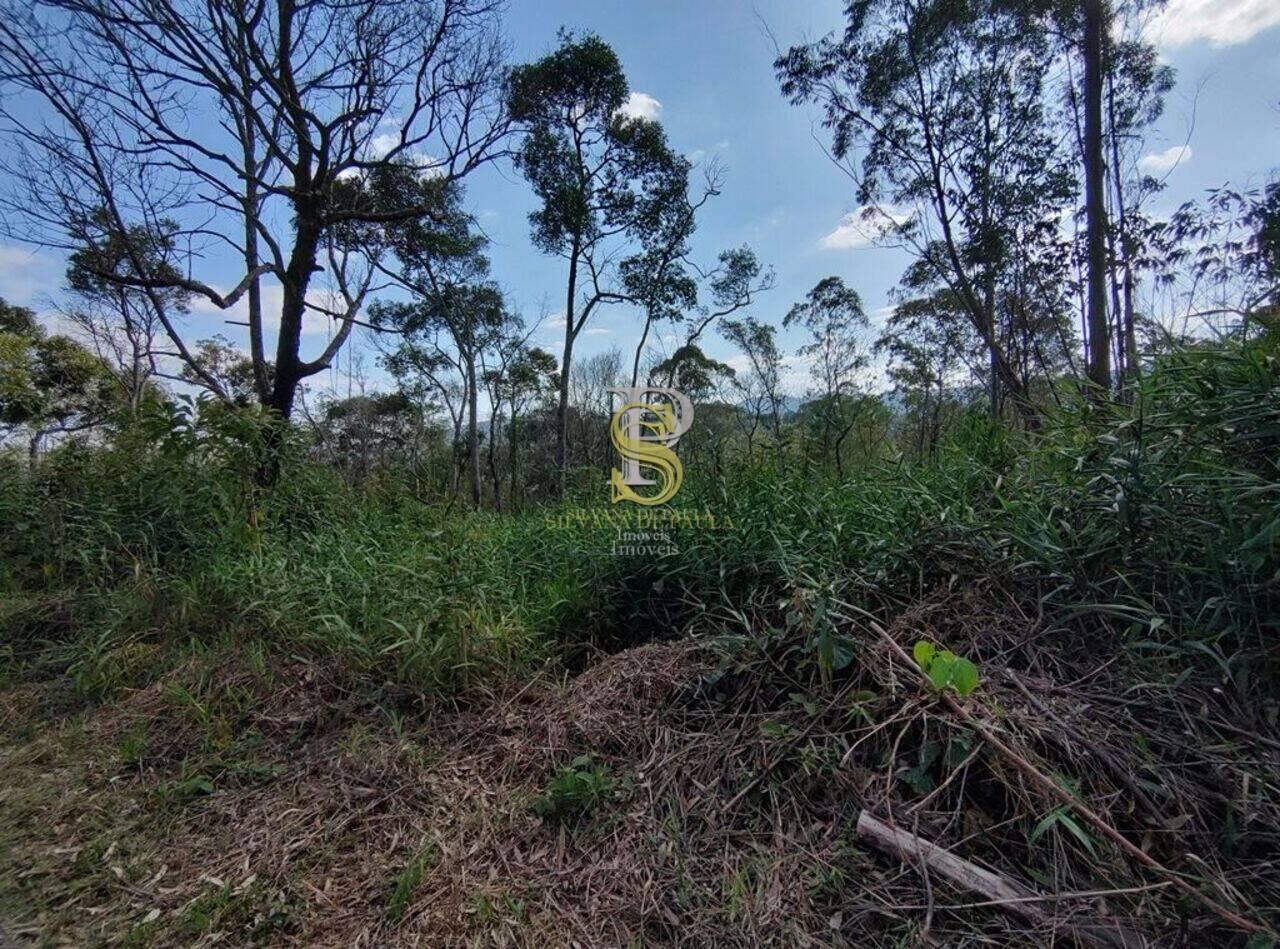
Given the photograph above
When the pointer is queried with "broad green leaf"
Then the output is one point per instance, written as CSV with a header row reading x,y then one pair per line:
x,y
940,669
923,653
964,676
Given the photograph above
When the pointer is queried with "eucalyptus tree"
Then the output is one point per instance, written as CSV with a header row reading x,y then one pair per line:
x,y
613,196
448,325
929,348
1136,83
250,125
527,380
761,385
669,285
693,372
938,110
832,314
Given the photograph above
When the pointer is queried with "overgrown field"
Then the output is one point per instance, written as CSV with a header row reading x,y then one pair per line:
x,y
336,715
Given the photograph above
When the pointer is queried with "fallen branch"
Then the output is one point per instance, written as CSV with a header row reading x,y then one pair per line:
x,y
1009,895
1055,790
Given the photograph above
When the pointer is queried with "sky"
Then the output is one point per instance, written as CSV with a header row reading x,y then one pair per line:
x,y
704,69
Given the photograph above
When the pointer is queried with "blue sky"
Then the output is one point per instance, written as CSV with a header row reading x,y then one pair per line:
x,y
705,69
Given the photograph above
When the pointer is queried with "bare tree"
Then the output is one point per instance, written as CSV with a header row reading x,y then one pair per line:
x,y
255,125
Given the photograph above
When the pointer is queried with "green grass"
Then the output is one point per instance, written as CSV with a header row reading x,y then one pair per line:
x,y
1158,523
407,882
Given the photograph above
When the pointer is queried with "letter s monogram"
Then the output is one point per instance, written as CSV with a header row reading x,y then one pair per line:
x,y
652,454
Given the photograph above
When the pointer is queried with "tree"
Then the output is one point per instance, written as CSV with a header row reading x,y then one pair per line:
x,y
1095,23
119,321
761,387
938,110
472,316
362,432
230,368
250,126
929,344
833,315
1136,84
613,195
48,384
692,372
442,264
590,405
529,378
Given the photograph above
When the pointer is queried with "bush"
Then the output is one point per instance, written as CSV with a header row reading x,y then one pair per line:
x,y
1156,523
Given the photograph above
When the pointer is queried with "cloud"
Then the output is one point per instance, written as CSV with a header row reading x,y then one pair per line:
x,y
863,227
382,143
698,154
27,275
1157,163
597,331
226,321
641,105
1220,22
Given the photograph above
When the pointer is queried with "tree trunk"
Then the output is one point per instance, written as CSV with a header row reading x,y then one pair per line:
x,y
297,277
1099,363
473,430
494,478
562,407
514,451
644,337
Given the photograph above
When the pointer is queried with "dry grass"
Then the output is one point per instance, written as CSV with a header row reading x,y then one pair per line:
x,y
335,818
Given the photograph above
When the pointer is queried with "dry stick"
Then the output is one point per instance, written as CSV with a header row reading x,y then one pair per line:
x,y
1009,895
1063,795
786,748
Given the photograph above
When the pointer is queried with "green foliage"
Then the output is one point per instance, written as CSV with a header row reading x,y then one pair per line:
x,y
407,882
945,669
575,790
49,382
110,556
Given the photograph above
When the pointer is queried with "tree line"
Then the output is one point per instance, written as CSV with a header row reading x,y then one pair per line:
x,y
325,146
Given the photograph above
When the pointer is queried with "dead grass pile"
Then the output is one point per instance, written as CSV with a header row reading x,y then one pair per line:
x,y
715,800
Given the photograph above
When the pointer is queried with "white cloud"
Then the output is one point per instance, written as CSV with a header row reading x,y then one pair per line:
x,y
698,154
863,227
382,143
597,331
1220,22
227,321
1157,163
641,105
27,274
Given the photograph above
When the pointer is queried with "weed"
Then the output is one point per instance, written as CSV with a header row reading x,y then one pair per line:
x,y
945,669
575,790
407,882
133,747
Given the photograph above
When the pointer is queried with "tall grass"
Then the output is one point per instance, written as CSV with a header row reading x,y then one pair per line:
x,y
1153,524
